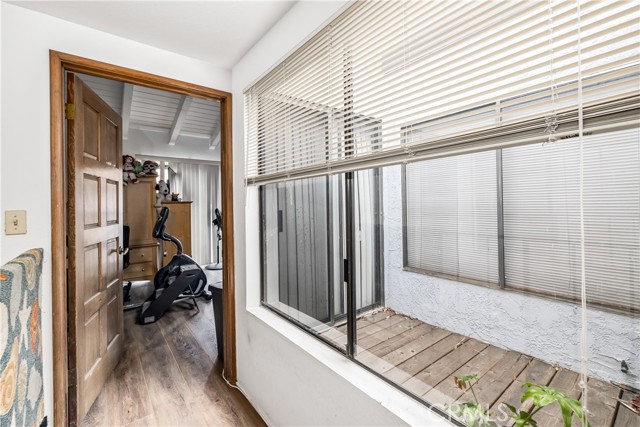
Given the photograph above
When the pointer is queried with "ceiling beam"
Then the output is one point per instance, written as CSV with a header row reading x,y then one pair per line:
x,y
149,128
196,135
181,114
177,159
127,98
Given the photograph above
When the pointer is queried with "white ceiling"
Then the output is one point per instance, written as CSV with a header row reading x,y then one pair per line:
x,y
219,32
173,117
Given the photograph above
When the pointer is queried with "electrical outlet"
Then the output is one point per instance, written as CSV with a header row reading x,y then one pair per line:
x,y
15,222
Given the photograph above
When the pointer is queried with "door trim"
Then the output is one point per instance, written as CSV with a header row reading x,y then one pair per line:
x,y
60,62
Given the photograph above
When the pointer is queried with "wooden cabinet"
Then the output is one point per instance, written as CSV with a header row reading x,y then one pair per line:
x,y
179,226
140,215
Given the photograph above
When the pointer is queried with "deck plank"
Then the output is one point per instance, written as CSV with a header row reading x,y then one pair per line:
x,y
537,372
601,402
405,352
390,321
446,392
428,378
376,318
409,350
422,360
387,346
626,417
388,333
496,380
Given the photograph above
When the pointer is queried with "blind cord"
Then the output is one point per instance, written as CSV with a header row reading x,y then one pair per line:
x,y
551,121
584,344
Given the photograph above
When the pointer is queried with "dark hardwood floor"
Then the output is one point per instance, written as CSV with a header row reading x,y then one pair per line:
x,y
170,375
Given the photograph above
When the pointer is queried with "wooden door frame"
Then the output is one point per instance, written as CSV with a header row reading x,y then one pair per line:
x,y
59,63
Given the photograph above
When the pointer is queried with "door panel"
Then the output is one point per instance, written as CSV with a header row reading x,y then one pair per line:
x,y
95,230
91,131
112,205
112,271
109,154
91,197
92,342
91,272
113,310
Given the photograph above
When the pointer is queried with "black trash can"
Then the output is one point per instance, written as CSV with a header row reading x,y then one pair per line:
x,y
216,294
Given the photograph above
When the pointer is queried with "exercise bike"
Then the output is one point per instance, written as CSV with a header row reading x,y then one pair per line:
x,y
217,222
182,279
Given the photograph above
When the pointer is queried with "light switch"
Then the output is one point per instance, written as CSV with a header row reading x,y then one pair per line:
x,y
15,222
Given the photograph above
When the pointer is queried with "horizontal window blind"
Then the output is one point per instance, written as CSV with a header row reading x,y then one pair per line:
x,y
467,76
542,222
451,217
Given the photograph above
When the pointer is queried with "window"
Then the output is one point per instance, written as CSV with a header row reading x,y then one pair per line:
x,y
446,138
452,218
303,234
542,218
452,222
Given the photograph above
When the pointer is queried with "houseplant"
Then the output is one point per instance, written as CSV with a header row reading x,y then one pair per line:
x,y
474,415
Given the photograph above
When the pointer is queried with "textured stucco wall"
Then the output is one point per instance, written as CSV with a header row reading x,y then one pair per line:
x,y
546,329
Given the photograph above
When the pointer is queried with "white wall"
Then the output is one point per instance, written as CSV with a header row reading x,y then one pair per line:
x,y
27,37
290,377
540,327
155,144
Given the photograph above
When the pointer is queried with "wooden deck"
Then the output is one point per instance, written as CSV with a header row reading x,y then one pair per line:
x,y
424,359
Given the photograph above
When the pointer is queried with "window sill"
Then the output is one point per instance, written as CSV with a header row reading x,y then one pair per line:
x,y
402,406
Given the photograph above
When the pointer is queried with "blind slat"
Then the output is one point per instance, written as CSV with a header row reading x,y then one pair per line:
x,y
391,76
542,223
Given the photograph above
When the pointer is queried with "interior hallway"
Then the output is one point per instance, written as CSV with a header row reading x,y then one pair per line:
x,y
170,375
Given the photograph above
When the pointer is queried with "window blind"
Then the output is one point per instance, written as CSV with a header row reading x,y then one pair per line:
x,y
351,92
451,217
541,218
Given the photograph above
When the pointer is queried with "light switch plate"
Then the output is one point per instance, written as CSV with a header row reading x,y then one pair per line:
x,y
15,222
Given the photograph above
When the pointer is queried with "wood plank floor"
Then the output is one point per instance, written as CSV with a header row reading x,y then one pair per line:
x,y
424,359
170,375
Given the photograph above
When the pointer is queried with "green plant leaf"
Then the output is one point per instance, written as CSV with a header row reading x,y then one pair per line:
x,y
511,408
467,378
543,396
540,395
566,415
521,419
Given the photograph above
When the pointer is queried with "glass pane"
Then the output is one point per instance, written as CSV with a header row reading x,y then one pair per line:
x,y
302,261
435,325
611,339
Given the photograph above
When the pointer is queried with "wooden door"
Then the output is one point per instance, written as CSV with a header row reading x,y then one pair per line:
x,y
95,240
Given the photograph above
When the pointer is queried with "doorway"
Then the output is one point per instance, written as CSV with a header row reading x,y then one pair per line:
x,y
60,63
